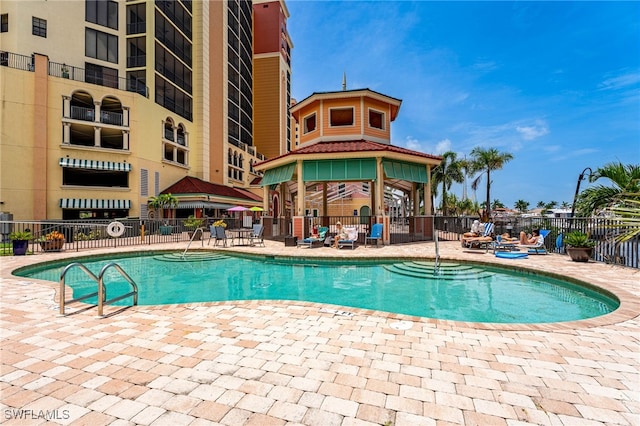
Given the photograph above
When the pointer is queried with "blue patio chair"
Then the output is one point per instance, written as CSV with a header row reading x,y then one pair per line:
x,y
256,235
376,234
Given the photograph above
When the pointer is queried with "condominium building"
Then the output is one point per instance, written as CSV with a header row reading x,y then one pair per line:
x,y
107,103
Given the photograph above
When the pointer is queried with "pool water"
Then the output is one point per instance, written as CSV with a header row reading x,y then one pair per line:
x,y
456,292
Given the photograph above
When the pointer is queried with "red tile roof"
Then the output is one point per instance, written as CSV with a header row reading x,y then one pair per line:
x,y
352,146
193,185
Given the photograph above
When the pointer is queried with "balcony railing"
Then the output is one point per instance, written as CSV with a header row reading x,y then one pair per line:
x,y
88,114
80,74
13,60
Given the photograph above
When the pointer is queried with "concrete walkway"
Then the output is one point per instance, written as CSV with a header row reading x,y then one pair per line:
x,y
284,363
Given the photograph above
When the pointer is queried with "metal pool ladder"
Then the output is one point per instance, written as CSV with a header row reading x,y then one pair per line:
x,y
436,263
102,292
191,240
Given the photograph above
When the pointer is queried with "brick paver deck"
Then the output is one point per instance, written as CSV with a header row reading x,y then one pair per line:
x,y
286,363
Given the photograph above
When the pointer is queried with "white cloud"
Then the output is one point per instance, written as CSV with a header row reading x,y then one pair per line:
x,y
442,147
533,132
412,143
619,82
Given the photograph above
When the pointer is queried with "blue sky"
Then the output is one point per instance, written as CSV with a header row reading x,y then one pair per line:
x,y
556,84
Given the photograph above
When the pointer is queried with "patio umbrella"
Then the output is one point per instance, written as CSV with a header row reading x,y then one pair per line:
x,y
238,209
256,209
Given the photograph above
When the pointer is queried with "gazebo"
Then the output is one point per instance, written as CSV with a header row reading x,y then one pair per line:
x,y
345,137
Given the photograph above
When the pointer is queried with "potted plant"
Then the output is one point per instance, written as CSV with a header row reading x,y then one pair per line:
x,y
53,241
220,223
65,71
20,242
192,223
579,246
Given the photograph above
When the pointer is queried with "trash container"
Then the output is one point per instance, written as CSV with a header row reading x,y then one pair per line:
x,y
290,241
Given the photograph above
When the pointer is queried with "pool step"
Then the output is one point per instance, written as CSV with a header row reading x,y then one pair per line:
x,y
446,271
194,256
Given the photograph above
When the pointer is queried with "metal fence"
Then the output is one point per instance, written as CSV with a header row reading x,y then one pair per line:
x,y
602,230
94,234
84,234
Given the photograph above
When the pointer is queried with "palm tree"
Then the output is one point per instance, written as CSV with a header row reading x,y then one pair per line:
x,y
447,172
486,161
521,205
626,186
497,204
162,201
541,204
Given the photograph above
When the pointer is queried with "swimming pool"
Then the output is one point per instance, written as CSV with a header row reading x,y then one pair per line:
x,y
458,291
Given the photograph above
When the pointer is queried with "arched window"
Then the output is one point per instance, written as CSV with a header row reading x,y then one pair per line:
x,y
230,157
182,138
240,161
235,159
168,129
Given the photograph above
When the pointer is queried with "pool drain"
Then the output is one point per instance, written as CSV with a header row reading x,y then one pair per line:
x,y
336,312
401,325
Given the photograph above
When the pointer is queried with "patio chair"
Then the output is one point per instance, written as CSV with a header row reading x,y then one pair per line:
x,y
500,244
352,238
376,234
256,235
314,241
485,241
218,232
539,247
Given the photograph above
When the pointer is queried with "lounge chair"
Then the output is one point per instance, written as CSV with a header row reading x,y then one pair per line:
x,y
376,234
256,235
352,238
485,241
500,244
314,241
538,248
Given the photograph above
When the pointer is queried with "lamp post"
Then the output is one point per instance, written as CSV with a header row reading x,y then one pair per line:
x,y
575,197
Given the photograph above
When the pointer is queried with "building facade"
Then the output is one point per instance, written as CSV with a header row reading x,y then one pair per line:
x,y
108,103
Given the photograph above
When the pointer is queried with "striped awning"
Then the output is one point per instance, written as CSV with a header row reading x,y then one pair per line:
x,y
409,172
90,203
94,164
278,175
202,205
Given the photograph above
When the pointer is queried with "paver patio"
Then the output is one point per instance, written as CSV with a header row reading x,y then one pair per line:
x,y
286,363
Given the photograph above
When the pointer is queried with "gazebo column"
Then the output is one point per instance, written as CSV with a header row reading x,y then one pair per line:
x,y
265,198
298,219
427,193
325,208
378,206
414,199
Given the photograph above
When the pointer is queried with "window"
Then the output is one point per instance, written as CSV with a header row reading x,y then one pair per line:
x,y
101,45
4,23
103,76
341,117
310,123
102,12
39,27
376,119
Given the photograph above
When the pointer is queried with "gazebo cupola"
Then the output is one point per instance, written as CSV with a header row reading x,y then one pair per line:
x,y
346,115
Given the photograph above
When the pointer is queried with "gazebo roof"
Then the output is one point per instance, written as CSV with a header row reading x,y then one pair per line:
x,y
346,147
192,186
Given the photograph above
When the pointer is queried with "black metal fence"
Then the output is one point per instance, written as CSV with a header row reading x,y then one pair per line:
x,y
602,230
85,234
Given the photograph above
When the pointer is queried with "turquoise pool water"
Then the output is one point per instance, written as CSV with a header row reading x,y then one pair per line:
x,y
458,292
